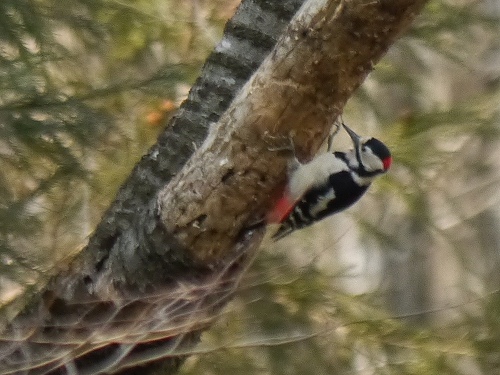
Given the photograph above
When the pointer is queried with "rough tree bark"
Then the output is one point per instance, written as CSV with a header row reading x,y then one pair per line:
x,y
168,253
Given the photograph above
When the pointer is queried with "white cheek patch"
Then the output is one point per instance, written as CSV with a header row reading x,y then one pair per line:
x,y
371,161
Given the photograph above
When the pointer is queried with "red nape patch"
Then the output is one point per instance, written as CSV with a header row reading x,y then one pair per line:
x,y
387,163
281,210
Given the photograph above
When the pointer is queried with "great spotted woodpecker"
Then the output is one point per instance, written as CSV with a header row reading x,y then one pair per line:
x,y
329,183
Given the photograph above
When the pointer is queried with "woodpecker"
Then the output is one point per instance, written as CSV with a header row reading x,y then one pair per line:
x,y
329,183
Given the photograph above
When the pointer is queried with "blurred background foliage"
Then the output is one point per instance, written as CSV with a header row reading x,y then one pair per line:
x,y
86,86
406,282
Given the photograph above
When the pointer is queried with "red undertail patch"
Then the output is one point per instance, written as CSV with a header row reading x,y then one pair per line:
x,y
281,210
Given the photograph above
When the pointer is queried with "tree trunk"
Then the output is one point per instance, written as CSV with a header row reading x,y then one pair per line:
x,y
169,252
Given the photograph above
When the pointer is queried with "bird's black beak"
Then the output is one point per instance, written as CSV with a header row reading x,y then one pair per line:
x,y
356,139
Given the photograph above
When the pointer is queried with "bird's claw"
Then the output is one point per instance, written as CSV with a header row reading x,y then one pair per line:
x,y
332,135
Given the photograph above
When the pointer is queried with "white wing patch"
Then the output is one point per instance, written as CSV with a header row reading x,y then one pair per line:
x,y
322,203
314,173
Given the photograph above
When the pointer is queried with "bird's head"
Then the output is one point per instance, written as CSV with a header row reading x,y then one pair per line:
x,y
369,157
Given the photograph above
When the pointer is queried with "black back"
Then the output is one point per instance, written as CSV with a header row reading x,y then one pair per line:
x,y
346,190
